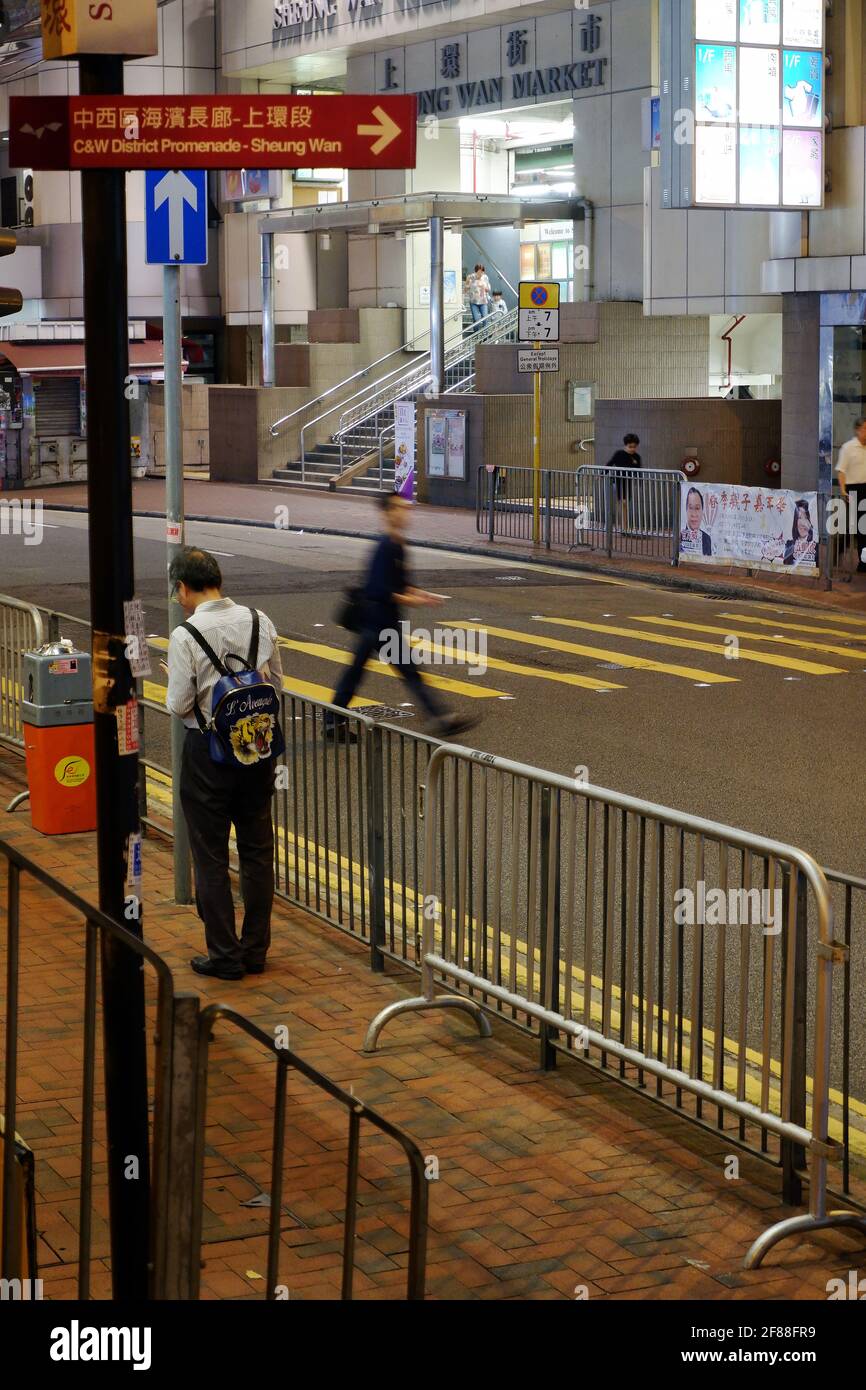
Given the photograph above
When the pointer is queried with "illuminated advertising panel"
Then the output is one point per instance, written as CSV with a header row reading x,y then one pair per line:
x,y
753,72
717,20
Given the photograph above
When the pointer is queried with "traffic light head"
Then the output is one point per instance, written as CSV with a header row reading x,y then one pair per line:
x,y
11,301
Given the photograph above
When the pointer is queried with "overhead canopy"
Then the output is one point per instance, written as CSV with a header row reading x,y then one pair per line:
x,y
67,359
411,212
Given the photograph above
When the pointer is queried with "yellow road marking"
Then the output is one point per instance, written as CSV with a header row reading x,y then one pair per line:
x,y
792,627
291,685
788,663
732,631
381,668
636,663
564,677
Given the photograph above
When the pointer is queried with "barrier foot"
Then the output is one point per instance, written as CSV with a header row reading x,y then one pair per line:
x,y
17,801
793,1226
440,1001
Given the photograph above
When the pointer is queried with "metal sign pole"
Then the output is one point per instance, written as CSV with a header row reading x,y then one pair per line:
x,y
118,840
536,453
172,352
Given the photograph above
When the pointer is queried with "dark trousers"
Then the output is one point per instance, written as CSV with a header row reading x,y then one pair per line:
x,y
214,797
857,491
369,641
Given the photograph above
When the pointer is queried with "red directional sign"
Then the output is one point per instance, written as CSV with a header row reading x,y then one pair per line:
x,y
204,132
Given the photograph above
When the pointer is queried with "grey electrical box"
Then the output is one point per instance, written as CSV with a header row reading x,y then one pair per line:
x,y
57,686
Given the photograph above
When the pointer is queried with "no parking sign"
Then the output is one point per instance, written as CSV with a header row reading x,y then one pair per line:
x,y
538,311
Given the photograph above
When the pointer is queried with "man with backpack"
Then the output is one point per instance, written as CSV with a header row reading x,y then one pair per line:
x,y
225,683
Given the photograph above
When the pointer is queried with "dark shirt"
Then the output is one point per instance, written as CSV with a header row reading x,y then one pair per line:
x,y
387,576
623,460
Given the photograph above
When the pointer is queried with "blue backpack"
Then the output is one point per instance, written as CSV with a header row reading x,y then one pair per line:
x,y
244,727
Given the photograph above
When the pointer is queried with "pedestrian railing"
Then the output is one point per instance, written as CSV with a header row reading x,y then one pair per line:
x,y
179,1069
101,935
540,885
616,511
21,630
582,915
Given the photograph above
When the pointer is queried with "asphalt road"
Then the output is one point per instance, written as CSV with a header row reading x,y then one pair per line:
x,y
768,741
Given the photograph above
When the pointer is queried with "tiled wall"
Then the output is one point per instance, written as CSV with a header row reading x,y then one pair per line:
x,y
733,440
633,357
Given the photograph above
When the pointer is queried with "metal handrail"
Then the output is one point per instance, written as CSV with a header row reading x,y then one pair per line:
x,y
423,371
468,341
364,372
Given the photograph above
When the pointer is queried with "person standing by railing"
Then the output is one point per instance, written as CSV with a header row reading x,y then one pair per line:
x,y
626,458
218,794
851,470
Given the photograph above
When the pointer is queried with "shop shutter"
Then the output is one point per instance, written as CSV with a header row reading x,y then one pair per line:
x,y
58,407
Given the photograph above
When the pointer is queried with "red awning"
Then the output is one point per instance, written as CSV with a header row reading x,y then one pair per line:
x,y
67,359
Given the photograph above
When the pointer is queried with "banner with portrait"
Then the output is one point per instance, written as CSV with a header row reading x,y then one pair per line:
x,y
758,528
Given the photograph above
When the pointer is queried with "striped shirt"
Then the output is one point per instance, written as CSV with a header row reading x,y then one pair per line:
x,y
227,627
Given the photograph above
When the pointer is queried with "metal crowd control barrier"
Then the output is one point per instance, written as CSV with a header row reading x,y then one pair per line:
x,y
100,930
618,511
21,630
618,976
287,1061
182,1036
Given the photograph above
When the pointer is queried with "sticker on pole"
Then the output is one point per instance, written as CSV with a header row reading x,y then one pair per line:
x,y
174,532
127,728
137,651
538,359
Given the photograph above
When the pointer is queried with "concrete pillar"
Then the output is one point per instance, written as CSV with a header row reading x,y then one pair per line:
x,y
437,305
267,309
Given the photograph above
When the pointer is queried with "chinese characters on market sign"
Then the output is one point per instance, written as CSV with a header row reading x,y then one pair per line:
x,y
123,27
194,132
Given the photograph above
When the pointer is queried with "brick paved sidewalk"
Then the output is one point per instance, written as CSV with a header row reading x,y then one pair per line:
x,y
449,527
547,1182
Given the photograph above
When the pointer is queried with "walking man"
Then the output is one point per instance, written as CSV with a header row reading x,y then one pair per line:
x,y
851,468
387,586
217,795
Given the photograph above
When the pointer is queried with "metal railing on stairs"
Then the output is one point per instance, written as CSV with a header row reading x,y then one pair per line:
x,y
367,410
361,423
360,375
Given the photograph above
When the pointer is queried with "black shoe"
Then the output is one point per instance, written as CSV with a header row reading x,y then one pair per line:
x,y
341,730
453,724
203,965
255,969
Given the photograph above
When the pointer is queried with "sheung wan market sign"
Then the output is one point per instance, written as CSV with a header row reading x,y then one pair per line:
x,y
586,72
567,77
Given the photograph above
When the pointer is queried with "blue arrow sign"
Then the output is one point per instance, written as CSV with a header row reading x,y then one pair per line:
x,y
175,216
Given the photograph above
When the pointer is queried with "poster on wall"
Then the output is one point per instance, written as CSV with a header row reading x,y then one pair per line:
x,y
437,435
749,526
456,456
404,449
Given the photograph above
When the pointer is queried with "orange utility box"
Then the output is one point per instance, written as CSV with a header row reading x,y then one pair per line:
x,y
57,714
